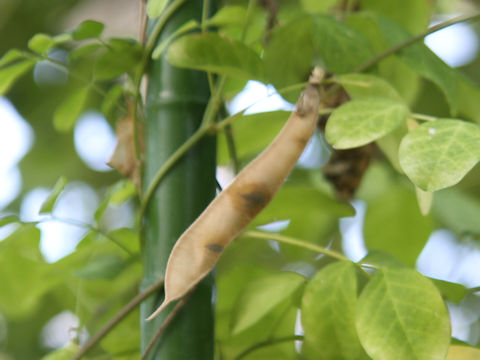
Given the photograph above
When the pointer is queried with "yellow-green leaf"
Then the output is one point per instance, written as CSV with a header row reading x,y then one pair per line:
x,y
438,154
360,122
401,316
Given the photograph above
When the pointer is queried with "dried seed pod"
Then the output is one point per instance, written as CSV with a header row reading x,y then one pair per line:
x,y
199,247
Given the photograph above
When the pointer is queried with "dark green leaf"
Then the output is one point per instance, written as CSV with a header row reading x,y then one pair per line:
x,y
340,47
401,316
212,52
111,100
328,314
122,56
360,122
286,67
316,6
458,211
451,291
229,16
394,225
68,112
87,30
49,203
83,51
252,134
185,28
155,8
422,60
438,154
41,43
313,214
361,86
413,15
102,267
8,75
263,295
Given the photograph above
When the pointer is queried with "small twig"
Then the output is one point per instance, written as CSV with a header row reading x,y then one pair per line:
x,y
117,319
165,324
268,342
423,117
295,242
143,22
232,149
414,39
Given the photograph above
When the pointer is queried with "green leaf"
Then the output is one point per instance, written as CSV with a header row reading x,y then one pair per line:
x,y
116,195
215,53
360,122
418,57
413,15
360,86
313,214
83,51
438,154
41,43
155,8
394,225
252,134
315,6
185,28
341,47
64,353
102,267
121,56
294,66
401,316
9,219
62,38
49,203
458,211
68,112
229,16
379,259
111,100
460,352
87,30
452,292
11,56
25,280
328,314
8,75
262,296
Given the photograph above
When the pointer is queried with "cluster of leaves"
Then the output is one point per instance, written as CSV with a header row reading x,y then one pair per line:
x,y
391,311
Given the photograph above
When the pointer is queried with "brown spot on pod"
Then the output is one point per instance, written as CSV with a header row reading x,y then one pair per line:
x,y
215,248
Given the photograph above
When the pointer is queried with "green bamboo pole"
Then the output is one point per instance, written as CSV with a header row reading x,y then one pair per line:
x,y
175,102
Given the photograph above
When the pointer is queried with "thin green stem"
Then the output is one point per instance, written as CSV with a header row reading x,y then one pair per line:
x,y
423,117
232,149
152,39
295,242
172,160
414,39
268,342
85,226
127,309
